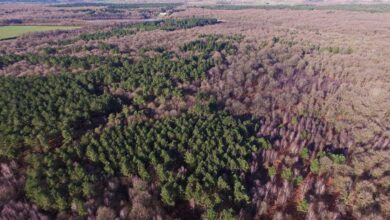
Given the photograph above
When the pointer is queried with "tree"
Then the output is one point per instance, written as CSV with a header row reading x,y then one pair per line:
x,y
315,166
166,196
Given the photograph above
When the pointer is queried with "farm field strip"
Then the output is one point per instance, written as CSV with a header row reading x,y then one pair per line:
x,y
8,32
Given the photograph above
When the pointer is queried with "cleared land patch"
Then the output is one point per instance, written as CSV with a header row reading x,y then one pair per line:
x,y
9,32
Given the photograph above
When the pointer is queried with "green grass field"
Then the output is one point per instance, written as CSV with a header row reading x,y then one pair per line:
x,y
9,32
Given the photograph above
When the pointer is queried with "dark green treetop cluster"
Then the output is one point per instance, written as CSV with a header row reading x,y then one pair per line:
x,y
160,76
202,156
37,111
167,24
9,59
46,109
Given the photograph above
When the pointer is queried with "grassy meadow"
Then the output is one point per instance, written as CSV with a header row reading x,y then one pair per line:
x,y
9,32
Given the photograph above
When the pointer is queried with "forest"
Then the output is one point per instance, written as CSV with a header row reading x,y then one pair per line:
x,y
120,6
53,123
373,8
168,24
200,113
165,152
61,105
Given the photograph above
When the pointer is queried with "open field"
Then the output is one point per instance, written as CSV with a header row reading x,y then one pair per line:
x,y
9,32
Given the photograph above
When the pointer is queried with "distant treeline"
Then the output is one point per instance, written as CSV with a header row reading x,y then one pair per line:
x,y
346,7
33,1
120,6
168,25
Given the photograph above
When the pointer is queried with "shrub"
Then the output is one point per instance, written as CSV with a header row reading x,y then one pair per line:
x,y
298,180
302,206
315,166
305,154
338,158
287,174
271,171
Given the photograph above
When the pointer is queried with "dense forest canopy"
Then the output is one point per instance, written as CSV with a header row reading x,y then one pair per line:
x,y
58,106
183,116
52,107
52,117
202,157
